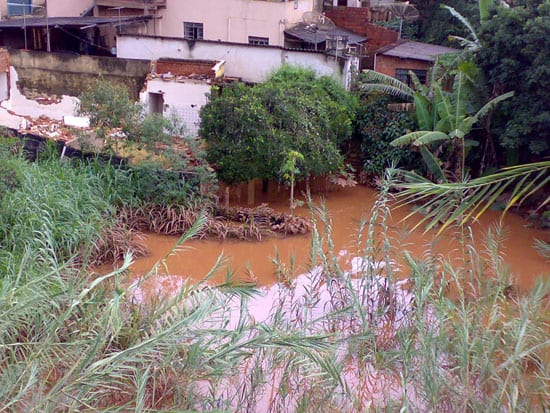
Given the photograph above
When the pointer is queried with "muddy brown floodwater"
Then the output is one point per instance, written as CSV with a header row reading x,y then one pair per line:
x,y
252,261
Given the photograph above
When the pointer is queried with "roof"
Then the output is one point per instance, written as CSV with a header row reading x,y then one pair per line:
x,y
80,22
303,32
407,49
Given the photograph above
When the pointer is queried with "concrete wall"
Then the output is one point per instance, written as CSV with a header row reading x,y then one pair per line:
x,y
184,99
20,104
233,20
68,74
251,64
64,8
388,64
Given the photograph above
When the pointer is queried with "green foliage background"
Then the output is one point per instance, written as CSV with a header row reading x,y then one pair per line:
x,y
376,127
516,56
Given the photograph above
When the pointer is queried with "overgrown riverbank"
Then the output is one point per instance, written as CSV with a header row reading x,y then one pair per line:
x,y
335,339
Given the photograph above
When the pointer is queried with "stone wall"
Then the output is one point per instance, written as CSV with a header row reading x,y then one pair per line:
x,y
70,74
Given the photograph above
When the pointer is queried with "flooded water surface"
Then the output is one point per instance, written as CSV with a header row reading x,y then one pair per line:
x,y
253,261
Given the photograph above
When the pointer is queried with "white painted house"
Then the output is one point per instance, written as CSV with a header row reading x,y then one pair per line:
x,y
242,61
180,87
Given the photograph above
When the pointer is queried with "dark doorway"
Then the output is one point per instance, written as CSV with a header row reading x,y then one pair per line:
x,y
156,103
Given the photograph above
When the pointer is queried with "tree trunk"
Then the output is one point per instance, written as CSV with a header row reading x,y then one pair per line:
x,y
227,196
291,197
251,192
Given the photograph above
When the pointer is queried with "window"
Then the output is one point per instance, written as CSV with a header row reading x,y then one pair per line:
x,y
258,41
403,75
192,30
19,7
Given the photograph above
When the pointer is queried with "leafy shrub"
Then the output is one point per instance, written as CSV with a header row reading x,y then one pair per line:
x,y
376,127
166,167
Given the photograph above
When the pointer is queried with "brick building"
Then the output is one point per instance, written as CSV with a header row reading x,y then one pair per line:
x,y
398,58
357,20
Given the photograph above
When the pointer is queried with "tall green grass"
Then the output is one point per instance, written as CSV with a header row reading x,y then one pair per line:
x,y
70,340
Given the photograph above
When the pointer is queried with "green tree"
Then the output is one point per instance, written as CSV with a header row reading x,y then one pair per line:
x,y
447,118
435,23
516,56
290,172
249,130
109,106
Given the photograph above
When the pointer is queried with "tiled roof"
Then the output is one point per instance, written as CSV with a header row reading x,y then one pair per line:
x,y
407,49
302,32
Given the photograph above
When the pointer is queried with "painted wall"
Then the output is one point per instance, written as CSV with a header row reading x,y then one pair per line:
x,y
64,8
182,98
251,64
233,20
4,86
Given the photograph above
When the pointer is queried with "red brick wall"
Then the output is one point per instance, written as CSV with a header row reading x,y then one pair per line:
x,y
182,68
378,37
388,64
351,18
356,19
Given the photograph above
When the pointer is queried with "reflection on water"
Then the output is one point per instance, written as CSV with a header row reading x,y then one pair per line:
x,y
318,304
360,299
253,261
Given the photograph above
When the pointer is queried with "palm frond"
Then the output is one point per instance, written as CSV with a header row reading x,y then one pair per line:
x,y
418,138
459,202
490,105
466,24
386,84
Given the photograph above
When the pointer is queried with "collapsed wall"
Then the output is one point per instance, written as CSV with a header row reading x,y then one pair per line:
x,y
70,74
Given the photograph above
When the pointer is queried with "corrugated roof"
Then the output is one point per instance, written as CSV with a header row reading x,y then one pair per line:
x,y
69,21
302,32
407,49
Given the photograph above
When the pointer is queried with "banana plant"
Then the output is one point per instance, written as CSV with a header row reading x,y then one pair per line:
x,y
446,119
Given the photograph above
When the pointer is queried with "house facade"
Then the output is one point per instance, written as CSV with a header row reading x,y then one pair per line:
x,y
259,22
398,58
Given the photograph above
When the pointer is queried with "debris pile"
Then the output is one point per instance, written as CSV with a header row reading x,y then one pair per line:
x,y
266,217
